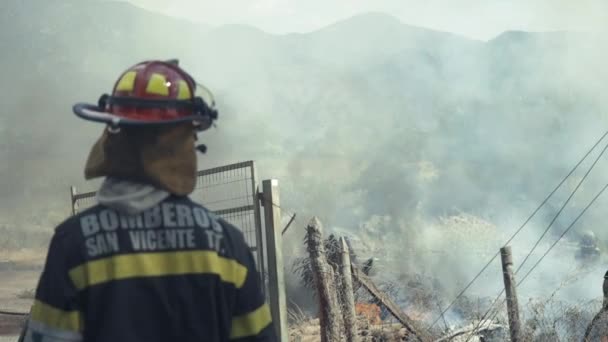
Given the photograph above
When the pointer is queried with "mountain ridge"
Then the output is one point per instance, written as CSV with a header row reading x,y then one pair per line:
x,y
422,86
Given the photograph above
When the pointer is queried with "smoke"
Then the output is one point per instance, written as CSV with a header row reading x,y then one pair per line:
x,y
484,129
428,148
491,17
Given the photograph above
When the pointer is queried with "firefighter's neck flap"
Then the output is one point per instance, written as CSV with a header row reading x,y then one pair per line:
x,y
153,116
163,157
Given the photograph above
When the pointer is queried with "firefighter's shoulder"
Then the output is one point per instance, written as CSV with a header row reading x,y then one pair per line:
x,y
70,227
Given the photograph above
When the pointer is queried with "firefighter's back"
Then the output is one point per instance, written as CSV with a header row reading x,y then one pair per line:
x,y
174,272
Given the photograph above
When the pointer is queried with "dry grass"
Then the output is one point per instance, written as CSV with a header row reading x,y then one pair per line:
x,y
422,297
543,320
556,321
309,331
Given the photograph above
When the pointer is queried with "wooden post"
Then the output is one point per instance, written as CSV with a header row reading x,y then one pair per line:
x,y
276,278
347,295
324,280
512,305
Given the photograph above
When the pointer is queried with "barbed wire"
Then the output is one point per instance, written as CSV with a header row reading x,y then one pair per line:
x,y
545,232
563,233
518,230
562,208
289,213
539,260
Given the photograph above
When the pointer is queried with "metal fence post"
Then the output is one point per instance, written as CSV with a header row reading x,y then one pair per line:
x,y
260,245
73,197
276,279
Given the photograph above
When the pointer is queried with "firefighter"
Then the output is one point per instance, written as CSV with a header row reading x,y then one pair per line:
x,y
588,248
147,263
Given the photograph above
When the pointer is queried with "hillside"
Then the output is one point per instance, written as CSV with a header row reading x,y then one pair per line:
x,y
366,118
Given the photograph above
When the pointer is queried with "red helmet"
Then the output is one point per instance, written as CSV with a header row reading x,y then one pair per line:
x,y
151,93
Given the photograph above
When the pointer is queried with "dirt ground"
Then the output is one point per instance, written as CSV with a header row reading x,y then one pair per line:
x,y
19,273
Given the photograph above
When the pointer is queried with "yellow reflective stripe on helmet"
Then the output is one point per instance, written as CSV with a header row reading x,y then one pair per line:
x,y
126,82
183,91
157,85
56,318
252,323
139,265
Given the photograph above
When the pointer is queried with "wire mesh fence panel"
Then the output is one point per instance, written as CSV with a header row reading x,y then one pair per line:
x,y
82,201
225,187
228,191
243,219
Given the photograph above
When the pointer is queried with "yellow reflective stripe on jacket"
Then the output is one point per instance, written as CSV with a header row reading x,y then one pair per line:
x,y
56,318
138,265
252,323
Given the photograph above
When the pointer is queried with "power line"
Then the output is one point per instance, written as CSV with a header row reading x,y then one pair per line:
x,y
547,229
561,209
539,260
518,230
564,233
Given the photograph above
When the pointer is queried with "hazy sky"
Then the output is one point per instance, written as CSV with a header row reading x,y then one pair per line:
x,y
481,19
